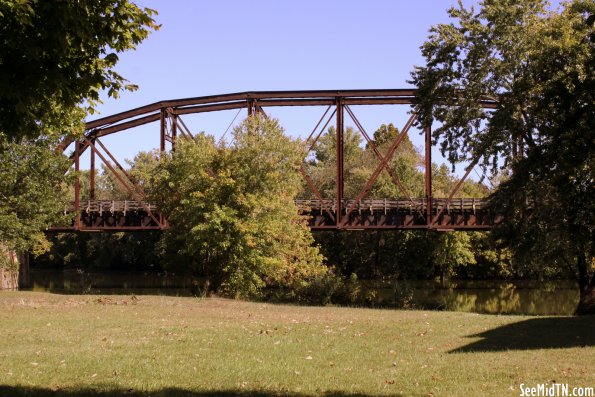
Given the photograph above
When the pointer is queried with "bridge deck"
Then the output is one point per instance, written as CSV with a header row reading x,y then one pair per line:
x,y
458,214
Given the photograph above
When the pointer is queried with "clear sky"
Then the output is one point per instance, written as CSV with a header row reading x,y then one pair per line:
x,y
224,46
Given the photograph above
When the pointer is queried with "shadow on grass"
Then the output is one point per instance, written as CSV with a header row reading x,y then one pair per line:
x,y
535,333
18,391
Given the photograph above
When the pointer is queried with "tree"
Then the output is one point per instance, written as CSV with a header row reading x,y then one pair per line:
x,y
323,168
452,249
31,190
233,219
537,68
56,56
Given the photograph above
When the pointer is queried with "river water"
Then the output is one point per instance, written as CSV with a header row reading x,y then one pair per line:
x,y
532,297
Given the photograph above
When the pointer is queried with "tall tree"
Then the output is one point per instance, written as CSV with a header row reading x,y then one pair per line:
x,y
538,68
55,58
232,215
32,185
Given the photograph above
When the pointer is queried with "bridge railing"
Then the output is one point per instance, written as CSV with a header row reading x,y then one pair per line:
x,y
100,206
307,205
386,205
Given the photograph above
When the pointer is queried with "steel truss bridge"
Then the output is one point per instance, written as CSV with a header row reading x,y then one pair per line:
x,y
337,213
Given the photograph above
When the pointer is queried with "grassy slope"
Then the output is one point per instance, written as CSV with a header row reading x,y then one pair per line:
x,y
120,345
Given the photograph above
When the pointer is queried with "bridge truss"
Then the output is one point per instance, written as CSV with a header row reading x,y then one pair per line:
x,y
325,213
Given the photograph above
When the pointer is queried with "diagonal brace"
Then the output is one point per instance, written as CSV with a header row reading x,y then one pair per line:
x,y
133,192
391,151
390,172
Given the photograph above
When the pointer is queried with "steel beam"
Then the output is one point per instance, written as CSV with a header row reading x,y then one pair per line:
x,y
370,142
340,141
151,112
455,189
391,151
77,185
92,176
162,132
99,132
123,182
138,188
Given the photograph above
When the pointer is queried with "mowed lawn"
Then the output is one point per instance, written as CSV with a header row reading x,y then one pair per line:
x,y
66,345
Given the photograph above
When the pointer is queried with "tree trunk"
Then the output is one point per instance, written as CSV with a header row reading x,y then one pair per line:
x,y
9,269
586,303
8,279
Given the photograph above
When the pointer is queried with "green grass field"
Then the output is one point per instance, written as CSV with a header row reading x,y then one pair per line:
x,y
164,346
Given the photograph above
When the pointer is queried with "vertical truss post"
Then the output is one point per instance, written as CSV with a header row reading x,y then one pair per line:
x,y
340,148
428,173
250,106
174,130
92,175
162,132
77,186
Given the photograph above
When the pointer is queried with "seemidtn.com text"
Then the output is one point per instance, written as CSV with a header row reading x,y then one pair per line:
x,y
555,390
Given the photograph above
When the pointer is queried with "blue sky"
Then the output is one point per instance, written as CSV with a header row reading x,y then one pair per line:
x,y
214,47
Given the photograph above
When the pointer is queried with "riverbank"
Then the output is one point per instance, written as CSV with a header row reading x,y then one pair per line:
x,y
530,297
79,345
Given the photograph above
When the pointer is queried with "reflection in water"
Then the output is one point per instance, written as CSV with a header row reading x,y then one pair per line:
x,y
485,296
499,297
83,282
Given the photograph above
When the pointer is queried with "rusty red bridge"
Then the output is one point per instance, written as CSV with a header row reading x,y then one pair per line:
x,y
325,213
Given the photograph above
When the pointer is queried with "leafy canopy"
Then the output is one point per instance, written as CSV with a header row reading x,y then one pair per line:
x,y
57,55
231,210
538,66
55,58
31,190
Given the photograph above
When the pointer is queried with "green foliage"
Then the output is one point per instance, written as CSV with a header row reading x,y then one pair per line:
x,y
323,167
538,66
452,249
232,214
360,162
385,134
32,188
55,56
142,168
100,251
402,254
